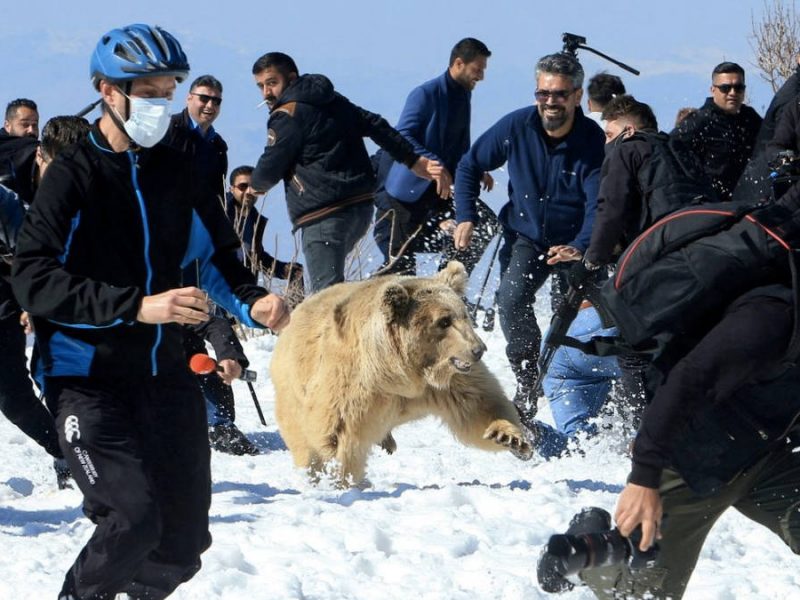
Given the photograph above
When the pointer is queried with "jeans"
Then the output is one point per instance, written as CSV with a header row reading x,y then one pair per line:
x,y
327,242
576,385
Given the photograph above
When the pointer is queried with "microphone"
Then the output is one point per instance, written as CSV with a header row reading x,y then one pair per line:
x,y
203,364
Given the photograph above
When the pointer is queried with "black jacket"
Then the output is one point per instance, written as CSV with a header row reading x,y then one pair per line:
x,y
107,229
210,154
220,334
729,400
619,201
722,141
315,144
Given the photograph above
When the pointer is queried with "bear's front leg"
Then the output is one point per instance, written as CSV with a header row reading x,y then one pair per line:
x,y
507,434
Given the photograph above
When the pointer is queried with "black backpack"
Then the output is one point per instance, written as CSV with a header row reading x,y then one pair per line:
x,y
672,179
687,267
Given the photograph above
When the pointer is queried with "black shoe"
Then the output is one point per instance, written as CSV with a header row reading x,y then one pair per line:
x,y
227,438
63,474
525,401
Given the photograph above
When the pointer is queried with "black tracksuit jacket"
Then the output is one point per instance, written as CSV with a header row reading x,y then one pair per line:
x,y
315,144
107,229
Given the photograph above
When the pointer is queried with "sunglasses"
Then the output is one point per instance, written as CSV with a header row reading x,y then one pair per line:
x,y
557,95
242,187
205,98
725,88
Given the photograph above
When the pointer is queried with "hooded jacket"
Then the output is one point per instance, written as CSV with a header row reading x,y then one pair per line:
x,y
107,229
315,145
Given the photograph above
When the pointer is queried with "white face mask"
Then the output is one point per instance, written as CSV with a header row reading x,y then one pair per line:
x,y
148,121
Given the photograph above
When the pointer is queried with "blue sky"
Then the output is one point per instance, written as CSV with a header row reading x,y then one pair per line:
x,y
376,52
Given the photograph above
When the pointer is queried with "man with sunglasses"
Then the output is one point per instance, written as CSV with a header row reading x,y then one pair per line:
x,y
192,131
723,131
553,154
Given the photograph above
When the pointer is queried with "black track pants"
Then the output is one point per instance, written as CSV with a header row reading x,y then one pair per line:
x,y
138,450
18,402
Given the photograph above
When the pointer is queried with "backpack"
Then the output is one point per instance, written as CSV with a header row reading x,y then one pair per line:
x,y
672,178
685,268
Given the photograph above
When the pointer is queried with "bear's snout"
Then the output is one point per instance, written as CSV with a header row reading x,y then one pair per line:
x,y
478,350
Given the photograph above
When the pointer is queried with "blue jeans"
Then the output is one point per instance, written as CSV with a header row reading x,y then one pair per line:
x,y
327,242
576,385
523,271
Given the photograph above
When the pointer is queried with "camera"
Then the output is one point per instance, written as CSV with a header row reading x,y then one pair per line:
x,y
589,542
572,42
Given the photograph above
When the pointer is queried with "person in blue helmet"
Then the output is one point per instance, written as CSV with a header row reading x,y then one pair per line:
x,y
98,266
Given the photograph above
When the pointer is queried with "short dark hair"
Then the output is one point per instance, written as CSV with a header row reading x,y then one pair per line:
x,y
60,132
603,87
683,113
206,81
562,64
727,67
468,50
11,107
629,107
242,170
282,62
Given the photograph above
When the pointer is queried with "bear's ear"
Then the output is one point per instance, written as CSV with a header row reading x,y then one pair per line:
x,y
395,302
455,276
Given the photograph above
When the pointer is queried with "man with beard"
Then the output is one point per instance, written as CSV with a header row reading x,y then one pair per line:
x,y
554,154
315,144
436,120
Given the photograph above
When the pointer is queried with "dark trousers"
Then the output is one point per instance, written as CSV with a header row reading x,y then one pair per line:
x,y
523,270
220,398
138,450
765,493
396,222
18,402
327,242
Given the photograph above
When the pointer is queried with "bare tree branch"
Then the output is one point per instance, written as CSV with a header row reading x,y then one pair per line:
x,y
775,41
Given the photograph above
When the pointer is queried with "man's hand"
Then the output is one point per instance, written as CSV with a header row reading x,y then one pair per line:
x,y
639,505
187,306
463,235
448,226
487,182
426,168
271,311
26,323
444,184
231,370
563,253
580,273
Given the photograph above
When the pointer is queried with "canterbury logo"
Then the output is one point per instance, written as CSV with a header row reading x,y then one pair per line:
x,y
71,428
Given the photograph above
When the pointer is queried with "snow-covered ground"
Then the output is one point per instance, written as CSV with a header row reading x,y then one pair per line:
x,y
439,522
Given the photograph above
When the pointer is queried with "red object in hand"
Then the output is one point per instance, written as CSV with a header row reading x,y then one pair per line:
x,y
202,364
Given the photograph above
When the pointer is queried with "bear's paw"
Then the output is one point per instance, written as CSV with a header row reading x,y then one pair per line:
x,y
507,434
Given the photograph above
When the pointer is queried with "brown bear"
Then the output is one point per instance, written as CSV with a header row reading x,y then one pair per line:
x,y
361,358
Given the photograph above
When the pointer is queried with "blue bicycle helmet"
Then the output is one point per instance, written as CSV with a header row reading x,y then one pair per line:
x,y
137,51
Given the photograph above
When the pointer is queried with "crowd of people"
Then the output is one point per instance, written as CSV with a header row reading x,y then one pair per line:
x,y
139,247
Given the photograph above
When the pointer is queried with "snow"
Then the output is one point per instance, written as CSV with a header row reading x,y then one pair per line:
x,y
440,521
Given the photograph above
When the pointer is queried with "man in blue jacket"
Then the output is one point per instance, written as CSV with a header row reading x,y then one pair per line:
x,y
436,120
554,155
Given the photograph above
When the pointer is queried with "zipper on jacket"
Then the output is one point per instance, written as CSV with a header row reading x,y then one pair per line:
x,y
298,184
146,231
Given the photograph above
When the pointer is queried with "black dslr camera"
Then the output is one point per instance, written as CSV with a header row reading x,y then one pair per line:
x,y
589,542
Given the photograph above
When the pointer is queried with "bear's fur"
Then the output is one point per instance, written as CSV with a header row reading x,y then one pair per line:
x,y
361,358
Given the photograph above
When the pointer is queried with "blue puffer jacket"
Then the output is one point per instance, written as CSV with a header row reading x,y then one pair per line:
x,y
552,191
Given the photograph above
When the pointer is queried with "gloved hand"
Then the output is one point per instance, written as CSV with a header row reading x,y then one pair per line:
x,y
581,273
